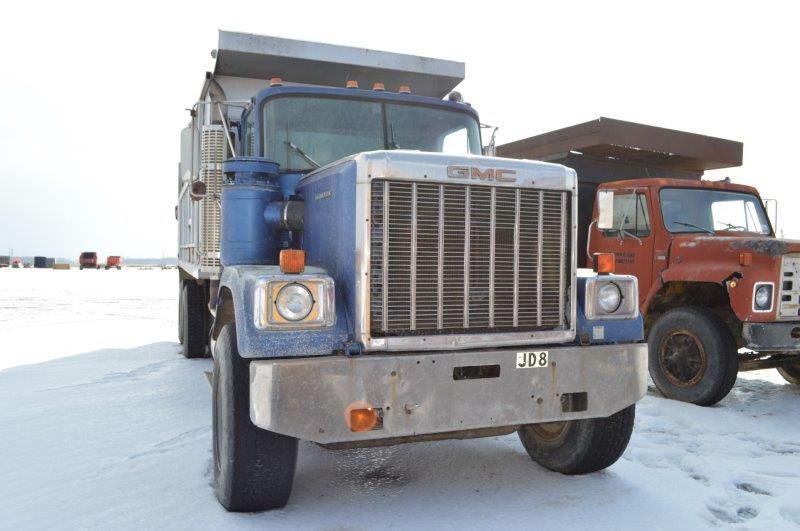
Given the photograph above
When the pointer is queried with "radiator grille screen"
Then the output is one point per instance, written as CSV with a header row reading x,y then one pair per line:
x,y
464,259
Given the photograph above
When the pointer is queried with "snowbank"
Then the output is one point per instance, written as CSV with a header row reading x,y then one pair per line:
x,y
120,438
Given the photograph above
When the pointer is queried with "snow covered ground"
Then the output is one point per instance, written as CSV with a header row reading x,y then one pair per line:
x,y
104,425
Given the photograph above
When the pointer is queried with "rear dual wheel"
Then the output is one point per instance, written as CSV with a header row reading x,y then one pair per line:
x,y
791,373
192,319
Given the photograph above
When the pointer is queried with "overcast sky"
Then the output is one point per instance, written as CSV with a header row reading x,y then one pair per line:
x,y
93,95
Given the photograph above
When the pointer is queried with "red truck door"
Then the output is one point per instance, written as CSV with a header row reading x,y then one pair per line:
x,y
631,239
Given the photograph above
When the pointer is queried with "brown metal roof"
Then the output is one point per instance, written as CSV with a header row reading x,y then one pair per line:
x,y
630,142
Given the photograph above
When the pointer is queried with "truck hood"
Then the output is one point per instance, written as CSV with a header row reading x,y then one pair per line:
x,y
724,259
723,245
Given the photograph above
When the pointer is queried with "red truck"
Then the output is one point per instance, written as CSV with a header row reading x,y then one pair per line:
x,y
714,279
88,259
114,261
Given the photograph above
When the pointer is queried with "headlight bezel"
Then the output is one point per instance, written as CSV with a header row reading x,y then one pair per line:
x,y
770,286
265,312
628,307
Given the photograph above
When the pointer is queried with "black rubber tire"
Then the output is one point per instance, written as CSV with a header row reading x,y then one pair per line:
x,y
193,320
583,446
253,468
791,373
180,311
718,344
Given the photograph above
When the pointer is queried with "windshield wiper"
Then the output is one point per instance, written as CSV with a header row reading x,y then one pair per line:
x,y
711,232
392,143
302,154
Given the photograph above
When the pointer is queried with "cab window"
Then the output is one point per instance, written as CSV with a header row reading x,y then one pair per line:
x,y
631,216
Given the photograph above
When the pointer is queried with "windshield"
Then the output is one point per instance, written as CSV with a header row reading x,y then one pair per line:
x,y
701,210
303,133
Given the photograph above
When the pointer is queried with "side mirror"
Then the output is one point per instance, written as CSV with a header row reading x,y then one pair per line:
x,y
771,206
197,190
605,209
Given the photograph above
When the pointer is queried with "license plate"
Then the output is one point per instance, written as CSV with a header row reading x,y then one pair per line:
x,y
534,358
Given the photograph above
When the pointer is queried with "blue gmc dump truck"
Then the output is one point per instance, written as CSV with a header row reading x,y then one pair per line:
x,y
364,275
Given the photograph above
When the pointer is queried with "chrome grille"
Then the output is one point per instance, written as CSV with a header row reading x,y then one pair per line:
x,y
450,258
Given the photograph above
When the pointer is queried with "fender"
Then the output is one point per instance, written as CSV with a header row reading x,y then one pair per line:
x,y
255,343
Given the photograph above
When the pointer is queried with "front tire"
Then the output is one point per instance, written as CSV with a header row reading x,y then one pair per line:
x,y
192,320
692,356
791,373
579,446
253,468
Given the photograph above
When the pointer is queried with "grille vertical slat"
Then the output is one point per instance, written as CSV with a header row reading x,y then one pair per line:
x,y
413,263
516,256
440,262
450,258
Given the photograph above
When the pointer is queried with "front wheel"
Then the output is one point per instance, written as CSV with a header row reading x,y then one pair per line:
x,y
791,373
579,446
253,468
692,356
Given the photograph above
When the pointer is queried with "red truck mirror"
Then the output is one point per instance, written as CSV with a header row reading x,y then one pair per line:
x,y
605,209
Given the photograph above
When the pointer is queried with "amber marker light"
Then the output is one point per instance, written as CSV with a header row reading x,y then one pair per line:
x,y
359,416
745,259
292,261
352,83
378,86
603,263
404,89
275,82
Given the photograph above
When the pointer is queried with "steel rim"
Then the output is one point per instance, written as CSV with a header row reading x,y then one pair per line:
x,y
682,358
550,431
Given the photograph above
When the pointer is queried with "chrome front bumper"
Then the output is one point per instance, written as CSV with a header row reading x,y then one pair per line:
x,y
417,393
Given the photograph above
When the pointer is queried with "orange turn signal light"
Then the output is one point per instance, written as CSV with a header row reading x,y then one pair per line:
x,y
745,259
603,263
292,260
362,419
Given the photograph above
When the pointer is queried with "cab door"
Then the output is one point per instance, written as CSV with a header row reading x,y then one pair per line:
x,y
631,239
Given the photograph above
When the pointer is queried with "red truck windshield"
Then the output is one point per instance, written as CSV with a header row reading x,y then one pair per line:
x,y
303,133
702,210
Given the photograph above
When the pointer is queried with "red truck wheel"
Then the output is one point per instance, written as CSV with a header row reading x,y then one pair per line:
x,y
692,356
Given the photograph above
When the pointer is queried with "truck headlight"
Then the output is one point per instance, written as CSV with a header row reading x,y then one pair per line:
x,y
762,296
611,297
294,301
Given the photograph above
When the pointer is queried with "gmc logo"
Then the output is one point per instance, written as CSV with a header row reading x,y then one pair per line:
x,y
489,174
